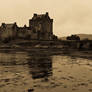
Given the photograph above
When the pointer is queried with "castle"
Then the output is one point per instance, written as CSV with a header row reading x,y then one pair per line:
x,y
40,28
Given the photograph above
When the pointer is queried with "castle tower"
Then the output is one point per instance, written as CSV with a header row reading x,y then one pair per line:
x,y
43,25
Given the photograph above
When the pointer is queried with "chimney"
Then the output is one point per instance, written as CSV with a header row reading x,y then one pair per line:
x,y
15,23
35,15
47,13
3,24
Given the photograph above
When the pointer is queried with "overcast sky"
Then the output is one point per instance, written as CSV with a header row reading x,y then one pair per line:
x,y
70,16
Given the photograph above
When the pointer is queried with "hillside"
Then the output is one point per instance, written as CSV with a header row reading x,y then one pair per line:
x,y
82,36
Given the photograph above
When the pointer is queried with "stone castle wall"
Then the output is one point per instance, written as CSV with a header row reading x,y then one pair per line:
x,y
40,28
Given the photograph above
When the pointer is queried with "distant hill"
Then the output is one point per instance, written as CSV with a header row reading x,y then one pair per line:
x,y
82,36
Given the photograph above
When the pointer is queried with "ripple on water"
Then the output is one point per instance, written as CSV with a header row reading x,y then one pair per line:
x,y
45,73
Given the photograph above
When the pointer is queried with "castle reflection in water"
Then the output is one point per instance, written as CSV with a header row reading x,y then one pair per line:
x,y
40,67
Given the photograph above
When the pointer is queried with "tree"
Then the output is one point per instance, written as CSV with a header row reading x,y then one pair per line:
x,y
73,37
55,37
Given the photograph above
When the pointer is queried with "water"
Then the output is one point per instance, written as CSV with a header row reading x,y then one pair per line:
x,y
21,71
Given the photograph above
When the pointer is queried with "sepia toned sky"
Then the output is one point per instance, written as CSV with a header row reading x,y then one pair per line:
x,y
70,16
